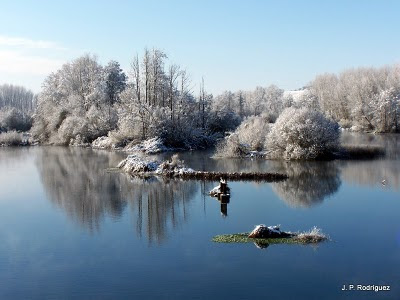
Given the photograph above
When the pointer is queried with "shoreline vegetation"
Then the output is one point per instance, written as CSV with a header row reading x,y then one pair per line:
x,y
156,146
297,134
85,103
13,138
344,152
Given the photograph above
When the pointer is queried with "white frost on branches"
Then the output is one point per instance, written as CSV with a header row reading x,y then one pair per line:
x,y
301,133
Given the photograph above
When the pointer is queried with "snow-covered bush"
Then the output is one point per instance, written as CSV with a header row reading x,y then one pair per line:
x,y
73,127
301,133
314,235
149,146
232,147
10,138
102,119
249,136
253,131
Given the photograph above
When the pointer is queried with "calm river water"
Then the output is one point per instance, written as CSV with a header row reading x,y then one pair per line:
x,y
71,230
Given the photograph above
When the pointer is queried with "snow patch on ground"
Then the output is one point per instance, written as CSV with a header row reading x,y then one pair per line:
x,y
138,165
296,95
150,146
275,228
104,142
262,231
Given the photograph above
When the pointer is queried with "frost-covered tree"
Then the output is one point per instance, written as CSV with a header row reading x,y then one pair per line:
x,y
263,100
301,133
12,118
385,109
257,101
17,97
222,115
158,102
225,101
76,94
273,96
115,81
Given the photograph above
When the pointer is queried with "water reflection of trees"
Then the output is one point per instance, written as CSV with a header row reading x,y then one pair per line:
x,y
160,205
77,181
202,160
243,165
309,183
373,172
12,157
390,142
383,173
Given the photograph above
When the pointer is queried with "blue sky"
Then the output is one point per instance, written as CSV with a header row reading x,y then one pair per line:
x,y
233,44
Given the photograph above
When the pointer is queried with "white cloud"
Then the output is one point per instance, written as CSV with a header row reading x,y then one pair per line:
x,y
27,62
16,62
28,43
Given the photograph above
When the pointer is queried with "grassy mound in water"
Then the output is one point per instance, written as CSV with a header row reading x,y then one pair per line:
x,y
313,236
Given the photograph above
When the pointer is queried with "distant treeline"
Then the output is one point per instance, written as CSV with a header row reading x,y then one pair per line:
x,y
17,105
363,99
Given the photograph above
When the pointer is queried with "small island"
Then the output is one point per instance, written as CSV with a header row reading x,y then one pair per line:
x,y
263,236
175,168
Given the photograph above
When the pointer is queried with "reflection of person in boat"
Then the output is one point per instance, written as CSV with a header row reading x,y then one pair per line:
x,y
222,193
224,206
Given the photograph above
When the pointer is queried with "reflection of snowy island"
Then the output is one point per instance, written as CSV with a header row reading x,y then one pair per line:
x,y
174,167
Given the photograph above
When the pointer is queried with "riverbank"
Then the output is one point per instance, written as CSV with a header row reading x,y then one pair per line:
x,y
14,138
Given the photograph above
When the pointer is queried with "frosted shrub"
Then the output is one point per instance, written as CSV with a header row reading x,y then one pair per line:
x,y
231,147
249,136
10,138
253,131
315,235
301,133
128,128
73,127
